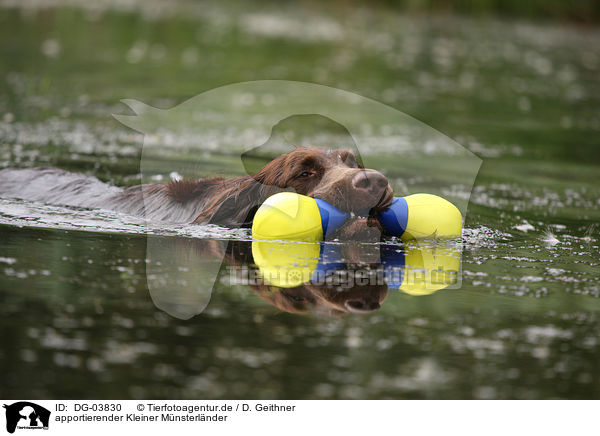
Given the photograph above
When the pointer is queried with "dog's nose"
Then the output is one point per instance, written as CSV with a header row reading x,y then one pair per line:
x,y
372,182
361,306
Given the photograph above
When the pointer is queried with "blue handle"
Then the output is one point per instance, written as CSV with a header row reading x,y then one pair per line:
x,y
331,217
394,219
394,264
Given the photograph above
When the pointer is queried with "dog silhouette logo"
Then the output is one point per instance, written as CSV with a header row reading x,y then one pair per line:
x,y
26,415
259,121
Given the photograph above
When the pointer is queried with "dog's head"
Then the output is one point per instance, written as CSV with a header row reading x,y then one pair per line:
x,y
335,176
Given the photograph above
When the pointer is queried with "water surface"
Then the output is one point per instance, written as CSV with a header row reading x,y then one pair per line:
x,y
77,311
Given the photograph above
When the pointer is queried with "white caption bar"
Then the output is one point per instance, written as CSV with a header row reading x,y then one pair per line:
x,y
23,417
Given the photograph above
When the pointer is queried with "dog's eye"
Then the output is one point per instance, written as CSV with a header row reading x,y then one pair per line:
x,y
305,174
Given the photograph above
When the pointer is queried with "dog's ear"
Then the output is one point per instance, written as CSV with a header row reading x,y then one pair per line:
x,y
237,202
240,205
235,211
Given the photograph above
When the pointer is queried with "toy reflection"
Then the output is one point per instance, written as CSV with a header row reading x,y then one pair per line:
x,y
301,278
336,278
322,278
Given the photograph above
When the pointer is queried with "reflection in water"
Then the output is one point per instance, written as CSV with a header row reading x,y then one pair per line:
x,y
327,278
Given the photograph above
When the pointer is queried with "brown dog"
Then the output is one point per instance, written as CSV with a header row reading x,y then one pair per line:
x,y
331,175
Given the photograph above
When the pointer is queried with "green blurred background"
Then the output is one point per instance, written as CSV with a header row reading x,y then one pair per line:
x,y
517,83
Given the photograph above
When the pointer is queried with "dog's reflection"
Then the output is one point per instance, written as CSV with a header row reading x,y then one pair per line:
x,y
325,278
326,298
323,299
321,278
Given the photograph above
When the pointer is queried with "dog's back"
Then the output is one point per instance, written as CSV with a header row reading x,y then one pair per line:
x,y
334,176
58,187
55,186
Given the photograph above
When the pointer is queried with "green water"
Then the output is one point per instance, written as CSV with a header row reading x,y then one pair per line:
x,y
525,322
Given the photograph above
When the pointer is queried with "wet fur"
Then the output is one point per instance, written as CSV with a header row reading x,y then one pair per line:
x,y
217,200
